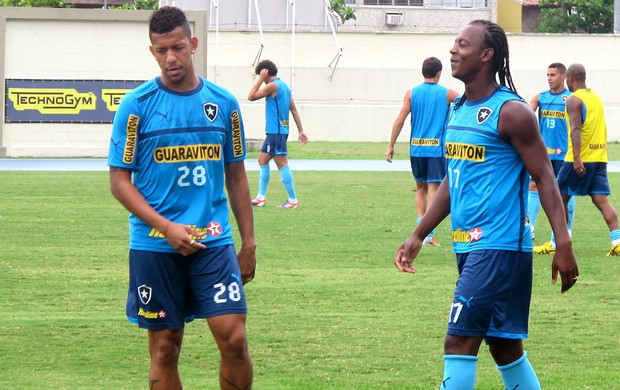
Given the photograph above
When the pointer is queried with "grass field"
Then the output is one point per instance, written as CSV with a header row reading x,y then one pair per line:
x,y
328,310
370,150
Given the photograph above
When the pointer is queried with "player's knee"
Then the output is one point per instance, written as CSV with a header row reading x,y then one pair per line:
x,y
234,344
166,353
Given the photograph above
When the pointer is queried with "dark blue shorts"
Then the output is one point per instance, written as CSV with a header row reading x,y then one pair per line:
x,y
166,290
428,169
275,144
492,295
593,182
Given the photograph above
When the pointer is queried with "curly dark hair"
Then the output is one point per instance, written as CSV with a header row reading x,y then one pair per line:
x,y
166,19
266,64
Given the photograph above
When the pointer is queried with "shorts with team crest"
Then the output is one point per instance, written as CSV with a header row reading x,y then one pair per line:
x,y
492,295
275,144
428,169
166,290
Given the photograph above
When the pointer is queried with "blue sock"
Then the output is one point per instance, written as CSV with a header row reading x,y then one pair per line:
x,y
615,236
263,181
533,206
519,375
289,185
571,218
571,213
459,372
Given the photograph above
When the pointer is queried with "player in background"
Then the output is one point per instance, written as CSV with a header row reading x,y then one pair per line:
x,y
492,141
584,171
176,141
552,123
428,104
278,103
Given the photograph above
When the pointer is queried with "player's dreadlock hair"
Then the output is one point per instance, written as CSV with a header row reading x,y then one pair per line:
x,y
495,38
166,19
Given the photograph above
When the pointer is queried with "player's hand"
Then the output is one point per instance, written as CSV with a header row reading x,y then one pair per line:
x,y
264,74
247,263
406,253
389,154
579,168
565,264
303,138
183,238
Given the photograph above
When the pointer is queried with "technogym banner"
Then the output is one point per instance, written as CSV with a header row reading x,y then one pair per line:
x,y
64,101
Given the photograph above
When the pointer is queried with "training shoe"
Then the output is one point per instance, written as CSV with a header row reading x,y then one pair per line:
x,y
615,251
547,249
288,205
259,202
430,241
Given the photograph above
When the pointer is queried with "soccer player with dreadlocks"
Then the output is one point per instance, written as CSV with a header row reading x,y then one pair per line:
x,y
492,141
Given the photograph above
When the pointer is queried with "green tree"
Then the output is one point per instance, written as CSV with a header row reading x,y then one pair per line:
x,y
342,9
35,3
139,4
576,16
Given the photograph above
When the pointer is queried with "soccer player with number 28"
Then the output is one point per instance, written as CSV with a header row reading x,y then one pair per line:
x,y
177,140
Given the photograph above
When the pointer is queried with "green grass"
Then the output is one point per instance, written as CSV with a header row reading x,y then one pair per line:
x,y
328,310
369,150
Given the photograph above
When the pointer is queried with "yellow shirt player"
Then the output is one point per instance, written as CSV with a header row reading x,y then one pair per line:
x,y
593,132
584,171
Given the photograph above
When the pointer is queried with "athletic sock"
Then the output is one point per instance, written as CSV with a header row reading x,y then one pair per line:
x,y
615,237
519,375
571,212
533,206
571,217
289,185
263,181
459,372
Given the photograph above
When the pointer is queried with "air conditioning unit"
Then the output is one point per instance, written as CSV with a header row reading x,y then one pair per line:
x,y
393,18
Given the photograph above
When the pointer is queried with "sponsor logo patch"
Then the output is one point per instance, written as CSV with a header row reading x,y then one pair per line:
x,y
214,229
236,133
185,153
460,151
130,139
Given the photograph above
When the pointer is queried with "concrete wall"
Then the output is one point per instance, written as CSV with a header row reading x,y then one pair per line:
x,y
355,101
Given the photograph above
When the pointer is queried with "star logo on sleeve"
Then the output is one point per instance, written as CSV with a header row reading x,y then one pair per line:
x,y
483,114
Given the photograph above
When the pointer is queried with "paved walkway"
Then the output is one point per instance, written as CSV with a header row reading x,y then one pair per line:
x,y
99,164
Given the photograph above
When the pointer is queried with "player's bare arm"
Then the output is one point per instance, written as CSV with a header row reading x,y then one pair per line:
x,y
259,91
452,95
399,122
574,107
534,102
519,126
301,137
180,237
241,206
437,212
